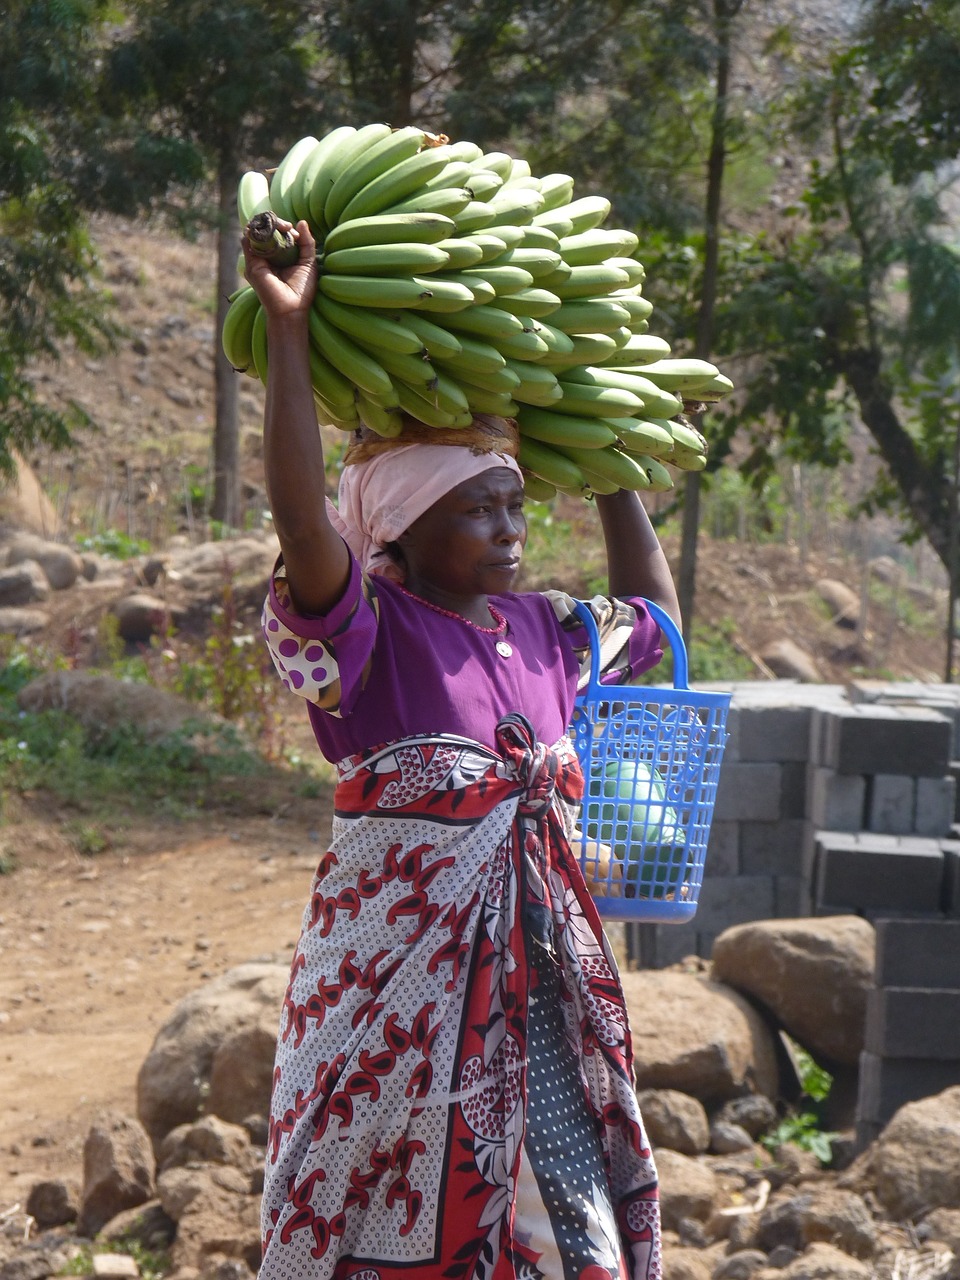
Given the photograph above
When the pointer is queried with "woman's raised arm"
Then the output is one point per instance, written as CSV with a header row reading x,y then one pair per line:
x,y
636,565
317,560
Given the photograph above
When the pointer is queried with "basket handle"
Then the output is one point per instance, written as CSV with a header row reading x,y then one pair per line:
x,y
663,621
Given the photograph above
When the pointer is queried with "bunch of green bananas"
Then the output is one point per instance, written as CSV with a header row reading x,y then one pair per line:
x,y
454,282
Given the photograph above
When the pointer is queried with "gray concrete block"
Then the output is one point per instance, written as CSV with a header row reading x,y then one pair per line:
x,y
918,953
875,875
655,946
951,878
836,801
936,801
773,848
775,733
793,789
791,897
748,793
726,902
891,801
867,739
913,1022
723,850
887,1084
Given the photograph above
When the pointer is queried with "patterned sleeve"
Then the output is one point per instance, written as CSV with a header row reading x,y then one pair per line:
x,y
325,660
630,641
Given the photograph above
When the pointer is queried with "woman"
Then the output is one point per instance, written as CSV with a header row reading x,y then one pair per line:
x,y
453,1088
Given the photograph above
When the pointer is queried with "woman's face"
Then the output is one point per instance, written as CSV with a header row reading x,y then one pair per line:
x,y
469,543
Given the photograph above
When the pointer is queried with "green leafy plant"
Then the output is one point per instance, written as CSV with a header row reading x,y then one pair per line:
x,y
803,1125
114,543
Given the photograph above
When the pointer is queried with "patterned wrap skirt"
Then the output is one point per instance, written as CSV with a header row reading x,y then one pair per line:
x,y
453,1094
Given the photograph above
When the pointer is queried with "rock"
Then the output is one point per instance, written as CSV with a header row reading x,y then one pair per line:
x,y
114,1266
140,617
788,661
812,974
942,1225
118,1170
21,584
146,1225
61,565
218,1224
914,1165
754,1113
697,1036
103,704
173,1080
726,1138
55,1202
688,1189
675,1120
34,1263
241,1074
179,1187
836,1217
20,620
23,504
825,1262
685,1264
209,1141
843,603
740,1265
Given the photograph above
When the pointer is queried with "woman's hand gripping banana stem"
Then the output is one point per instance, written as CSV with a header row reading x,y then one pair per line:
x,y
316,558
636,564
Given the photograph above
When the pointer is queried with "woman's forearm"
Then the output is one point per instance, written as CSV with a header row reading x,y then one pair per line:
x,y
636,564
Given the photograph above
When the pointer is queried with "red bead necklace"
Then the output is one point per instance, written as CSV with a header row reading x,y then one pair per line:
x,y
498,631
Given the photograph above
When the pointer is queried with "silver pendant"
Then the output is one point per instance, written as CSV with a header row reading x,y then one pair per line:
x,y
504,649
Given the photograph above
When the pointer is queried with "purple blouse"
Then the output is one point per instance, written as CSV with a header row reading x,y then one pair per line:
x,y
383,665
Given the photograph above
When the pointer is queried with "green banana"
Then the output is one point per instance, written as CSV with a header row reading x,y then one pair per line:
x,y
385,422
449,294
462,252
485,322
640,308
539,238
635,270
609,463
318,174
386,260
476,358
537,262
563,429
590,282
258,344
415,371
348,357
500,380
559,275
591,247
554,220
369,327
597,483
641,435
519,168
660,478
497,162
389,228
485,400
687,437
346,419
514,206
536,386
525,345
536,489
336,391
474,215
285,175
449,201
439,343
426,410
550,465
398,181
556,341
340,151
237,334
528,302
490,246
504,278
600,402
586,213
556,189
588,348
677,375
454,174
383,152
373,291
469,152
593,315
253,195
480,289
685,459
714,389
639,349
483,183
511,236
448,395
657,403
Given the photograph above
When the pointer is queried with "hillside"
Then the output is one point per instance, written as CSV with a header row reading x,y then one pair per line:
x,y
143,473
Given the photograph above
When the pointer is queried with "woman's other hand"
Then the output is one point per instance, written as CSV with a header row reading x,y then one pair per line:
x,y
284,291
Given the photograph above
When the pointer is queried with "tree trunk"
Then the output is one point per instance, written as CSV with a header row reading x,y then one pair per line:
x,y
225,508
723,13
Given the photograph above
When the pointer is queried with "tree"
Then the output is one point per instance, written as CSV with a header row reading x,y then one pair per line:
x,y
230,82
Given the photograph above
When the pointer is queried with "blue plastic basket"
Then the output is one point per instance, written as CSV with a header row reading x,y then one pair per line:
x,y
651,761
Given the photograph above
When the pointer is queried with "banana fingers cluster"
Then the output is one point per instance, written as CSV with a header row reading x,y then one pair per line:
x,y
455,282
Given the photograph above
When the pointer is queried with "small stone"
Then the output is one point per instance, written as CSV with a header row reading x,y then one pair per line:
x,y
115,1266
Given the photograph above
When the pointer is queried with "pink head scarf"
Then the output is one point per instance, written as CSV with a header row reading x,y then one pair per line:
x,y
382,496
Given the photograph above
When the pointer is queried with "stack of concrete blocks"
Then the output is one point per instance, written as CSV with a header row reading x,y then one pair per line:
x,y
912,1037
830,801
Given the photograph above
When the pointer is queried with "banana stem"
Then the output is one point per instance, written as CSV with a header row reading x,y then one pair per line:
x,y
280,248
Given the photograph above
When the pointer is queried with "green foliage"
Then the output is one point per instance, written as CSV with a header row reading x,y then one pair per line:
x,y
114,543
802,1126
